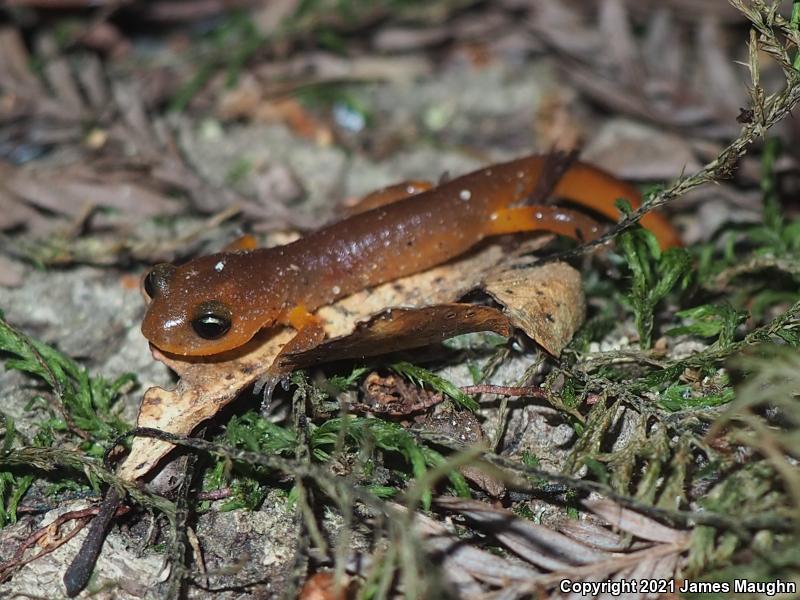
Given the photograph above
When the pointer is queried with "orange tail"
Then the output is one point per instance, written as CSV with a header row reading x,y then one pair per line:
x,y
596,189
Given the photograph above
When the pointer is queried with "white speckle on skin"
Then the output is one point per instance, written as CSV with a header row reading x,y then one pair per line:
x,y
219,266
336,289
465,195
539,215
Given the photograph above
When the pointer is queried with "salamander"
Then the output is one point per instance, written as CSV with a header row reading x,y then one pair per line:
x,y
213,304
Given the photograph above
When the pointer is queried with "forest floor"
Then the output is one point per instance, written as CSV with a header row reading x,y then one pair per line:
x,y
651,437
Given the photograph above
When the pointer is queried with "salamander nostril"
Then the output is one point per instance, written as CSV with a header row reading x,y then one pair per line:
x,y
157,280
150,286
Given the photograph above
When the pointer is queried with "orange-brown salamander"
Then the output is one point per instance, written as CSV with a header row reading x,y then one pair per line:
x,y
217,303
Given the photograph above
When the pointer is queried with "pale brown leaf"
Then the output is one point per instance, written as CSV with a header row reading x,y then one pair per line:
x,y
592,535
466,559
546,302
71,191
537,544
635,523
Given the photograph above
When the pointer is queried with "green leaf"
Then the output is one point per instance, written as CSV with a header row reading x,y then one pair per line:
x,y
597,468
682,397
342,384
654,274
711,320
460,485
12,486
253,432
87,402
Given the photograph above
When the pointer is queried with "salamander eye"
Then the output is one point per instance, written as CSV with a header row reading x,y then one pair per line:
x,y
157,280
212,320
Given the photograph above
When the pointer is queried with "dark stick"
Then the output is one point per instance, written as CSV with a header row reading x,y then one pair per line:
x,y
80,570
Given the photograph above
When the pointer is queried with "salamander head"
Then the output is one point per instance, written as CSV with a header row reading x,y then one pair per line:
x,y
198,309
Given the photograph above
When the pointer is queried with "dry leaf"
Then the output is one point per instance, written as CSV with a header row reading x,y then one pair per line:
x,y
400,329
420,312
590,534
596,554
546,302
70,191
464,426
403,39
465,565
636,523
283,110
393,396
322,586
537,544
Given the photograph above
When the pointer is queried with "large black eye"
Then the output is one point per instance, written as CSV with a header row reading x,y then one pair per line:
x,y
157,280
212,320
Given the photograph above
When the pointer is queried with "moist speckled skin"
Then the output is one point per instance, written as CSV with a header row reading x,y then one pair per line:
x,y
403,237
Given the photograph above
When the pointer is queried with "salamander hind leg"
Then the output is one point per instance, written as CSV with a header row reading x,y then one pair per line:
x,y
389,195
243,243
543,218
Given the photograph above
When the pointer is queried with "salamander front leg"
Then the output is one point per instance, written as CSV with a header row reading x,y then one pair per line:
x,y
310,333
554,219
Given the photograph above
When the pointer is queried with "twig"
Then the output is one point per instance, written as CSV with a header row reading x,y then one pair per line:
x,y
80,516
532,391
219,494
80,569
